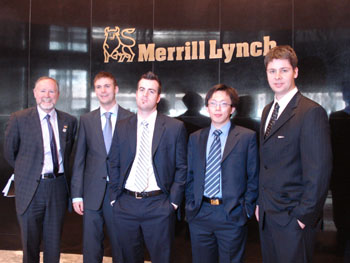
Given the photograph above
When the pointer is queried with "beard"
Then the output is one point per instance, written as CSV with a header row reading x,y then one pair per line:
x,y
46,104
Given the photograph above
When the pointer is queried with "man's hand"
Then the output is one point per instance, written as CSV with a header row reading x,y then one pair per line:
x,y
257,213
79,207
302,226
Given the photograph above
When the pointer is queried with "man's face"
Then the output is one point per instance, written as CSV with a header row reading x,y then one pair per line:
x,y
46,94
147,95
105,92
219,108
281,75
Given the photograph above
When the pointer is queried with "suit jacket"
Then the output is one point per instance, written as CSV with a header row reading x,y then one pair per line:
x,y
169,147
239,173
295,163
90,162
24,150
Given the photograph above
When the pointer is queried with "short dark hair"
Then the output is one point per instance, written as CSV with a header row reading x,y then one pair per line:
x,y
282,52
151,76
104,74
233,94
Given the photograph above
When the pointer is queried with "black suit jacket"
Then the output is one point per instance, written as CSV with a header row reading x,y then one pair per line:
x,y
90,162
24,150
239,171
169,147
295,163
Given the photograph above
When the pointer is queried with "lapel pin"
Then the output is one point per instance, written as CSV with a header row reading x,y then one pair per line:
x,y
65,127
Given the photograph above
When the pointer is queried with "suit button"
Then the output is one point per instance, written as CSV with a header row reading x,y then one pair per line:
x,y
107,158
38,181
265,167
104,178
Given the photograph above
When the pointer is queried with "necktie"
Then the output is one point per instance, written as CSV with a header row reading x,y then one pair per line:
x,y
53,146
107,131
143,162
272,120
213,169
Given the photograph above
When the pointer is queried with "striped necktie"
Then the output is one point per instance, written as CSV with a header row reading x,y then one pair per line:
x,y
144,159
213,169
272,120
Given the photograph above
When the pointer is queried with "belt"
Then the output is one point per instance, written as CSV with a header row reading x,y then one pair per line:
x,y
140,195
214,201
51,175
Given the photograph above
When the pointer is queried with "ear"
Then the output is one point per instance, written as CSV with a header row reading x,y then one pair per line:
x,y
233,110
296,71
158,99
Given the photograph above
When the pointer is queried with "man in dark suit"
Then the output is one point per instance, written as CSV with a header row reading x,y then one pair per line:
x,y
89,180
295,165
222,182
38,144
147,165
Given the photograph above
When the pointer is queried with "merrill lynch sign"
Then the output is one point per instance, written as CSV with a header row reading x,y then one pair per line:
x,y
118,45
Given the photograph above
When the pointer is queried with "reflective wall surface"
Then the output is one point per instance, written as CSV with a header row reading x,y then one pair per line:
x,y
67,40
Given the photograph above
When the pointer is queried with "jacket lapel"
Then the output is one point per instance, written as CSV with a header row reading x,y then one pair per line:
x,y
35,127
159,129
132,131
97,126
230,142
202,149
62,130
288,113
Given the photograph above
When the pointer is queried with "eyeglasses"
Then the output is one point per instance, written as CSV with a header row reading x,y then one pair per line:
x,y
223,105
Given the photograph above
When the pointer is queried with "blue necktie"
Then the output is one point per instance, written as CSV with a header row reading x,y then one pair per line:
x,y
53,146
107,131
213,169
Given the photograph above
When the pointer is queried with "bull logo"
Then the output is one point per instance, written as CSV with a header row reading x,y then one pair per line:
x,y
118,46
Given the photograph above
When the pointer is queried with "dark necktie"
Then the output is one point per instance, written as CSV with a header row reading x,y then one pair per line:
x,y
213,169
272,120
107,131
53,145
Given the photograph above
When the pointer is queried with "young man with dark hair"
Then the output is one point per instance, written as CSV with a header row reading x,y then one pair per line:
x,y
222,182
147,168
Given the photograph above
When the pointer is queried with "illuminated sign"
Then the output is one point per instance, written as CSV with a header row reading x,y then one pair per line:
x,y
118,45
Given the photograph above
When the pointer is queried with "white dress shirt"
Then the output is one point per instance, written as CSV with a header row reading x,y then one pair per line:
x,y
283,102
152,183
48,164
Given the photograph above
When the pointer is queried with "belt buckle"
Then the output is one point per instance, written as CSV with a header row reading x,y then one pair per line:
x,y
214,201
138,195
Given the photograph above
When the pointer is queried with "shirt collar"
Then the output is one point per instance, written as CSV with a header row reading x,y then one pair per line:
x,y
114,110
42,114
151,119
283,102
225,129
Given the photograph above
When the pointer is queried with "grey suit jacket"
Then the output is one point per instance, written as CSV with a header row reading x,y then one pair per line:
x,y
90,168
295,163
24,150
169,148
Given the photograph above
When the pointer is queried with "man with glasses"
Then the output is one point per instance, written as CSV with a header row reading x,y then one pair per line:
x,y
222,182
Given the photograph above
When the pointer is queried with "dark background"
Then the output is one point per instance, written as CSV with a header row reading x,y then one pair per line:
x,y
64,38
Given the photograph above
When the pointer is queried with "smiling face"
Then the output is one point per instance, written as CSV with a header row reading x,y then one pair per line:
x,y
147,96
105,91
220,108
46,94
281,76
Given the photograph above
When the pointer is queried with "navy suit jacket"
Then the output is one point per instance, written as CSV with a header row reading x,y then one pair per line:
x,y
24,150
90,163
295,163
239,171
169,147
